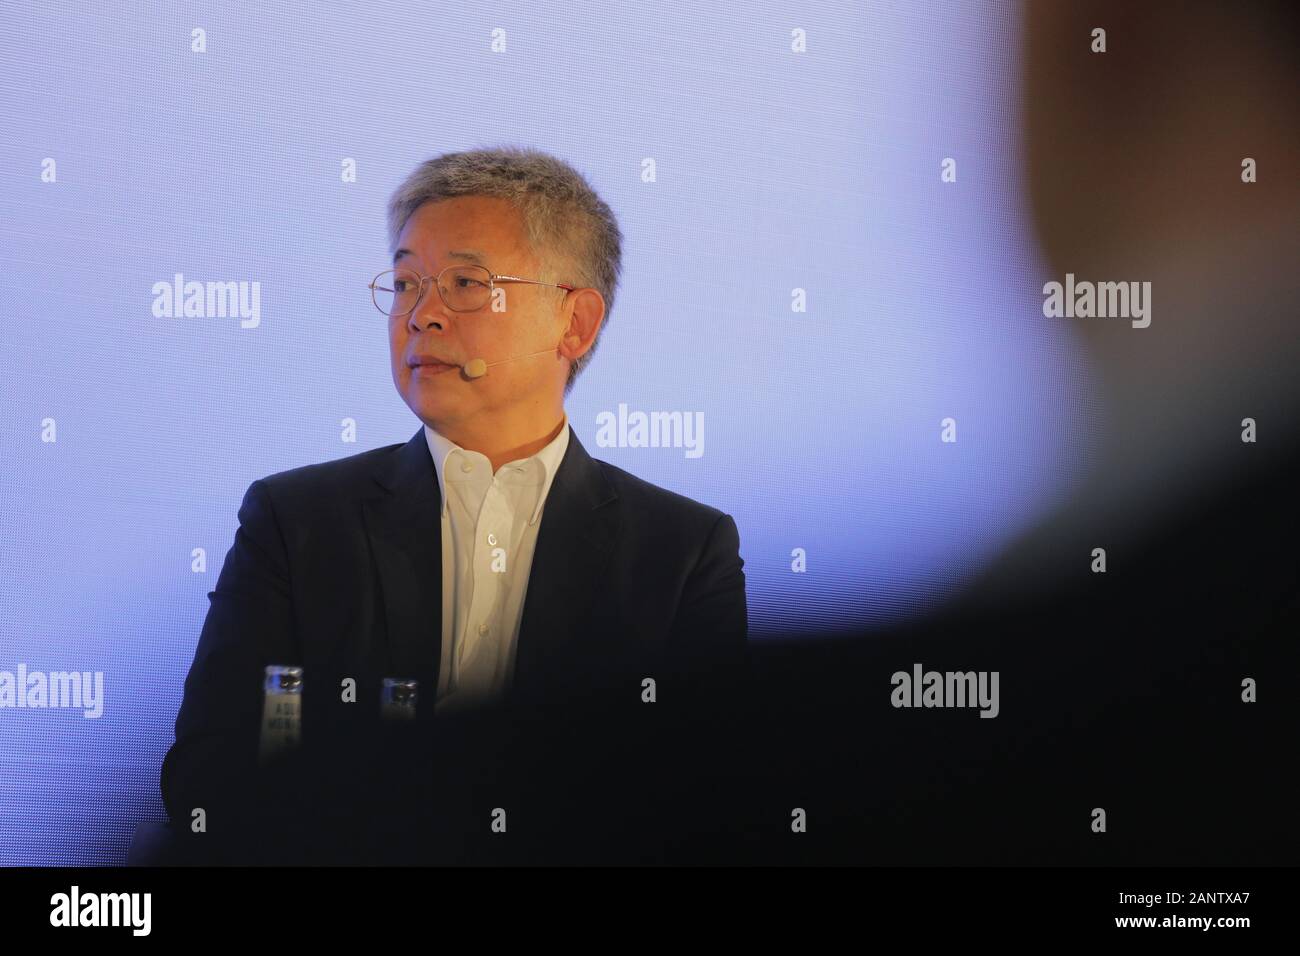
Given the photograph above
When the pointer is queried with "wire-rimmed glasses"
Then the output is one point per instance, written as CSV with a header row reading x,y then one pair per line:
x,y
463,288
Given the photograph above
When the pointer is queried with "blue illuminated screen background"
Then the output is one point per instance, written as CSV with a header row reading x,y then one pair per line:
x,y
796,270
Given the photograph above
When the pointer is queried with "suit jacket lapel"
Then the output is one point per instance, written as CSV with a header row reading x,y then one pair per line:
x,y
574,543
404,524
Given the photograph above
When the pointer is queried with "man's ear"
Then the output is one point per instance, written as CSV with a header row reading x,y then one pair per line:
x,y
585,320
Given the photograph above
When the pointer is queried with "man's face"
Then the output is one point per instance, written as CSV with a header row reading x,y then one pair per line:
x,y
488,232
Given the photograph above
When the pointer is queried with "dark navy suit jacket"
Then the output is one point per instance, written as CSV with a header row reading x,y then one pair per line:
x,y
337,568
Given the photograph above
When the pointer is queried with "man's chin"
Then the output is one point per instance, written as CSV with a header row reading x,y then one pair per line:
x,y
429,407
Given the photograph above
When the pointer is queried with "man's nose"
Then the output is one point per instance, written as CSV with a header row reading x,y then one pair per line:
x,y
431,312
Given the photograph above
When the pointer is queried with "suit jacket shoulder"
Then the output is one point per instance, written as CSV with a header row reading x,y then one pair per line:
x,y
659,504
341,477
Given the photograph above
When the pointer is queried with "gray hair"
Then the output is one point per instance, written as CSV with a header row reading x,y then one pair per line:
x,y
570,229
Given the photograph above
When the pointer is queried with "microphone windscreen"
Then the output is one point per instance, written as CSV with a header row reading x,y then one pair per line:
x,y
475,368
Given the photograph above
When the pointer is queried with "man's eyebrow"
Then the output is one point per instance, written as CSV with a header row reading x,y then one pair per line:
x,y
471,255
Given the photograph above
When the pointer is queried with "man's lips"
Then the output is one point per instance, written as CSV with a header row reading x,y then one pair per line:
x,y
429,365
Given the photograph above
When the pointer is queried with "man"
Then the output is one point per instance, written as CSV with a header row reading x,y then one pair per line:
x,y
489,558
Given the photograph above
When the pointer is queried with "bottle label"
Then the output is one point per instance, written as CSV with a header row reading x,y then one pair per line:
x,y
281,711
399,698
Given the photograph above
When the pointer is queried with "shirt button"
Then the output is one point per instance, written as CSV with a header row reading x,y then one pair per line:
x,y
482,628
492,539
466,467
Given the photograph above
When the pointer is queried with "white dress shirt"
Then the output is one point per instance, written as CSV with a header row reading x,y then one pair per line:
x,y
489,531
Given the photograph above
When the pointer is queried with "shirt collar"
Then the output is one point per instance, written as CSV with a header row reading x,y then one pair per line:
x,y
550,456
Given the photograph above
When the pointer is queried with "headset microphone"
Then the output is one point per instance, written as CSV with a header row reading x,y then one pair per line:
x,y
477,368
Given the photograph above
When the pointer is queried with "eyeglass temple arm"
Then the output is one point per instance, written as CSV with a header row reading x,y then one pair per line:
x,y
557,285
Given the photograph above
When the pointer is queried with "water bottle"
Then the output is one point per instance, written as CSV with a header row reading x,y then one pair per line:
x,y
281,710
398,699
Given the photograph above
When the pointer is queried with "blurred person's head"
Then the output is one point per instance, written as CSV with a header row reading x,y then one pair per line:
x,y
498,212
1135,175
1135,172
